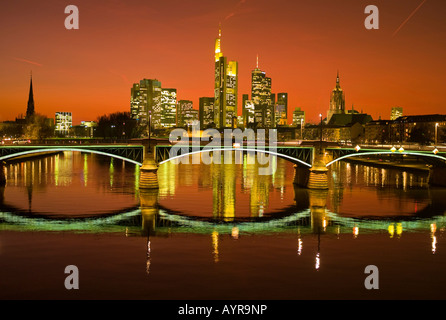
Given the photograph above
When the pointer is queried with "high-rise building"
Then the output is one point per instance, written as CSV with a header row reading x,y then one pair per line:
x,y
30,107
337,101
168,109
396,113
206,112
281,109
145,102
63,122
262,99
225,88
186,114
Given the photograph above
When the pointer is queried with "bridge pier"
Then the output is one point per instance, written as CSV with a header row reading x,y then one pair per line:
x,y
314,178
437,176
2,175
149,171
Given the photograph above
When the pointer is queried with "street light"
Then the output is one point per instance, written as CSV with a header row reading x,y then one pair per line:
x,y
320,147
436,129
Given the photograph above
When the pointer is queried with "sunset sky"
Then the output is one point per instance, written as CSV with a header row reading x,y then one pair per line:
x,y
301,45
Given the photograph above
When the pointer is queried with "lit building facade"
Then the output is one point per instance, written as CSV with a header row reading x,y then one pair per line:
x,y
298,117
206,112
145,102
63,122
186,114
262,99
281,109
168,112
225,88
396,113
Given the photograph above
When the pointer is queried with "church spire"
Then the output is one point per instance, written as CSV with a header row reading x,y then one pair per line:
x,y
30,108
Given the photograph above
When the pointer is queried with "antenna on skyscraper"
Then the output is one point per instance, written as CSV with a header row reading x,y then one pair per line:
x,y
257,64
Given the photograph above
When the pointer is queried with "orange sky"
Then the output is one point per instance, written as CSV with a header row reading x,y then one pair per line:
x,y
301,45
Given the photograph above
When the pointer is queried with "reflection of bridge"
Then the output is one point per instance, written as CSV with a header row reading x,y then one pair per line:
x,y
311,162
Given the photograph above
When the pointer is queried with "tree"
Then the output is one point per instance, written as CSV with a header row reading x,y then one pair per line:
x,y
117,125
38,127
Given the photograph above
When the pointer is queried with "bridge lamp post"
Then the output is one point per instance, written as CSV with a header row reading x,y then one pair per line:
x,y
320,148
436,129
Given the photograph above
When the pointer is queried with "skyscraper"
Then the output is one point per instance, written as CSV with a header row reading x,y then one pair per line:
x,y
225,88
186,114
168,109
262,98
206,112
337,101
30,107
145,102
281,109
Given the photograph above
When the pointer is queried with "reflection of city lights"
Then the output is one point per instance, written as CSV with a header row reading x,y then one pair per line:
x,y
318,261
235,233
299,246
434,238
355,231
399,229
215,245
324,224
391,230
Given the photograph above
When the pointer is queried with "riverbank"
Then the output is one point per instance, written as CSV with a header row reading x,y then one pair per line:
x,y
407,165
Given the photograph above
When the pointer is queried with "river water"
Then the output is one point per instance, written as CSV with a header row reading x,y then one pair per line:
x,y
218,231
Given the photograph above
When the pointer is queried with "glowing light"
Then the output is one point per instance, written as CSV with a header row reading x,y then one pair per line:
x,y
391,230
393,149
355,231
215,245
399,229
299,247
235,233
435,151
401,149
357,148
318,261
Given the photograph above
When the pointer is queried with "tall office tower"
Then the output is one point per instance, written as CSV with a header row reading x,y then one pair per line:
x,y
396,113
249,114
30,107
261,97
225,88
337,101
145,102
186,114
168,109
281,109
206,112
63,122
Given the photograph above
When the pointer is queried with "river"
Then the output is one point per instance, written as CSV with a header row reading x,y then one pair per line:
x,y
218,231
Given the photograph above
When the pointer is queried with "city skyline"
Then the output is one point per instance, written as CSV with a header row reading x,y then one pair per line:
x,y
89,71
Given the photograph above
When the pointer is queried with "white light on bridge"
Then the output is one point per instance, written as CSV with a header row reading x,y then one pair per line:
x,y
401,149
435,151
393,149
236,145
357,148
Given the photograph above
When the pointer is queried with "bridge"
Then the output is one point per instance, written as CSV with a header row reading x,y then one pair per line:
x,y
311,161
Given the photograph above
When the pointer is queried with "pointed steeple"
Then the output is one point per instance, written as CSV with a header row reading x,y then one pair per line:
x,y
337,80
30,108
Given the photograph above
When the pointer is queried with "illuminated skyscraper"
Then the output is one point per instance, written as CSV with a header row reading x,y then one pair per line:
x,y
186,114
337,101
225,88
281,109
145,102
262,98
168,109
206,112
